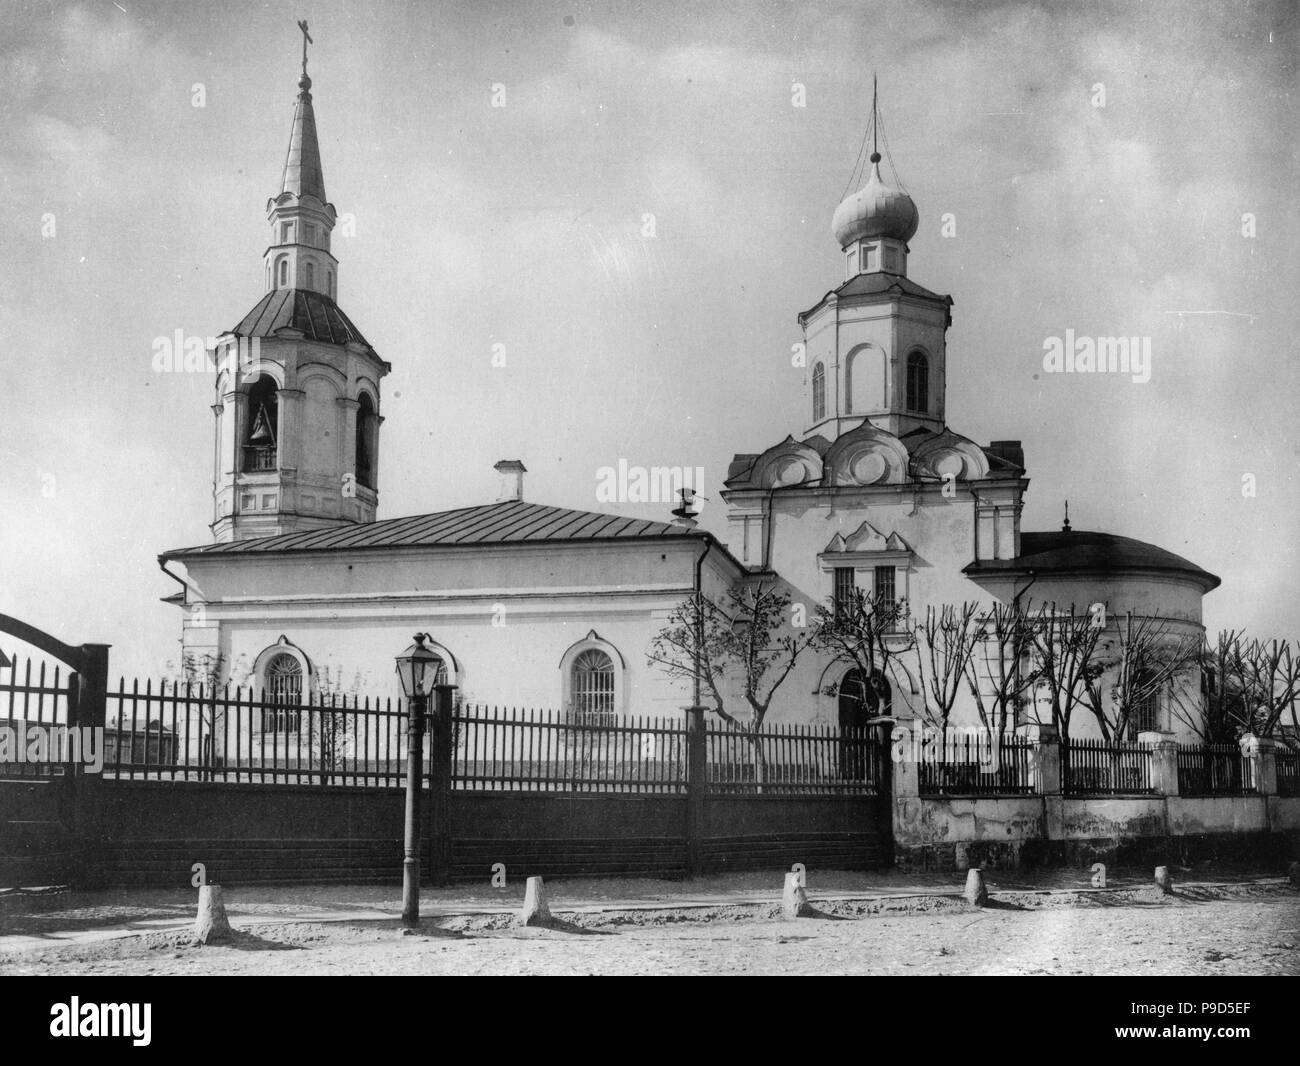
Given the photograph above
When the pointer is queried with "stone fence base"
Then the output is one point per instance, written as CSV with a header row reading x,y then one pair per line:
x,y
954,833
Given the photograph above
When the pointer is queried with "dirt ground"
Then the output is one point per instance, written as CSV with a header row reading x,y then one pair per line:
x,y
1248,929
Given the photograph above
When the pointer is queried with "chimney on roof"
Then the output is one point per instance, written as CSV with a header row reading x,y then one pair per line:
x,y
512,473
1009,451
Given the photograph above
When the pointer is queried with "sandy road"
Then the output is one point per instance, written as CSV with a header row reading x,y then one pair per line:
x,y
1221,937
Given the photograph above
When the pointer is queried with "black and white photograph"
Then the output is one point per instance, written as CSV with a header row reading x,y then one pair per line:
x,y
777,487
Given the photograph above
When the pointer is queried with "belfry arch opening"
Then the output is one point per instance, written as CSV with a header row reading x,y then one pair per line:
x,y
261,426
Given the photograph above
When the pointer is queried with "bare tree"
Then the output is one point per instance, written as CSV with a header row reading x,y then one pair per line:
x,y
1271,671
945,644
1064,649
994,676
1213,709
1142,659
713,645
742,646
868,631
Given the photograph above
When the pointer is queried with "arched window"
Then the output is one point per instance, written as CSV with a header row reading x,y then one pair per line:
x,y
261,426
311,275
284,273
819,392
860,701
593,688
282,693
366,441
918,382
329,283
1144,714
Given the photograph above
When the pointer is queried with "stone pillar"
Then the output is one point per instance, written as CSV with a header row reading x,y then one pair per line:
x,y
1045,764
1045,759
904,754
1261,755
904,795
1164,761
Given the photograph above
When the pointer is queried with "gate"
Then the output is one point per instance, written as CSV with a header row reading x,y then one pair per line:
x,y
47,797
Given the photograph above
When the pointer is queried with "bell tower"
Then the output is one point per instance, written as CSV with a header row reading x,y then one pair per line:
x,y
297,393
876,345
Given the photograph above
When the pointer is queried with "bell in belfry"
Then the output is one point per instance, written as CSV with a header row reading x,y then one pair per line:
x,y
262,434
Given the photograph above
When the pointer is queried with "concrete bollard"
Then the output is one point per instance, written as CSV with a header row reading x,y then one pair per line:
x,y
536,911
976,894
794,898
1163,879
211,926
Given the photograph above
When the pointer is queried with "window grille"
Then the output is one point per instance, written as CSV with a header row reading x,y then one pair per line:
x,y
283,685
593,688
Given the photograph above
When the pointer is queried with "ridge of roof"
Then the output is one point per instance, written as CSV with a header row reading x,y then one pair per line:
x,y
506,522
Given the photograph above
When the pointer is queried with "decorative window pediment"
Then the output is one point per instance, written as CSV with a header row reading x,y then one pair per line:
x,y
866,538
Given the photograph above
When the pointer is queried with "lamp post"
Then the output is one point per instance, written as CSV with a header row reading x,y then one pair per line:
x,y
417,667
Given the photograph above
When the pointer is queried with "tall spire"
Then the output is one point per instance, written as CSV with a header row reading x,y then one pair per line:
x,y
302,170
301,219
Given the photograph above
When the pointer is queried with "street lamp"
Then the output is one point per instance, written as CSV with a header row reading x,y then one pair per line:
x,y
417,667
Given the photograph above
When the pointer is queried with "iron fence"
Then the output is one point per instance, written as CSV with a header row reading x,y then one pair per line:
x,y
513,749
787,759
1214,770
1288,772
1100,768
34,714
182,732
977,765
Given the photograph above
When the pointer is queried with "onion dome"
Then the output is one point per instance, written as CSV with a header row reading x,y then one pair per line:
x,y
875,210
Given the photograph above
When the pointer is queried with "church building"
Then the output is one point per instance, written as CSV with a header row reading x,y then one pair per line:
x,y
303,589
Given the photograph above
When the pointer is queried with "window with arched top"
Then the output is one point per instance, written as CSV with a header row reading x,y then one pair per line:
x,y
1144,713
283,279
592,688
329,284
367,441
282,694
918,383
261,426
311,275
819,392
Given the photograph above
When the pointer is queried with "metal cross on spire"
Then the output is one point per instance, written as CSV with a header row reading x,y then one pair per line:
x,y
306,39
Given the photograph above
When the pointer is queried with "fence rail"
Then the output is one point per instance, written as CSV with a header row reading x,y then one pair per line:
x,y
1214,770
787,760
199,733
1098,768
977,765
509,749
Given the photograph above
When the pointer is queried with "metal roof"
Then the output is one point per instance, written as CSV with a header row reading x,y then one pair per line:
x,y
303,175
1079,551
510,522
314,314
876,283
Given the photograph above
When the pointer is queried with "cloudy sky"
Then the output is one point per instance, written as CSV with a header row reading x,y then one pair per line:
x,y
522,226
